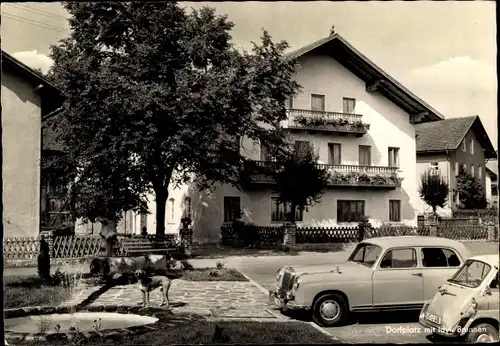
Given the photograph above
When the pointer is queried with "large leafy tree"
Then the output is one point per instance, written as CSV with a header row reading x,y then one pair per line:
x,y
299,181
161,95
470,192
433,190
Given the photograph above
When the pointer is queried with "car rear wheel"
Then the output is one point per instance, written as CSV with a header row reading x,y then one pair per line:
x,y
330,310
482,332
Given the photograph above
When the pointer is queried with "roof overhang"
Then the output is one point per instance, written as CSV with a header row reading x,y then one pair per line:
x,y
374,77
41,85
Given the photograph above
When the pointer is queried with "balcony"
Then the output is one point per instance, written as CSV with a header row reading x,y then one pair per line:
x,y
301,119
373,177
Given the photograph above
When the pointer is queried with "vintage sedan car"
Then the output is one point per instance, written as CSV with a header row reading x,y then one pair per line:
x,y
467,305
386,273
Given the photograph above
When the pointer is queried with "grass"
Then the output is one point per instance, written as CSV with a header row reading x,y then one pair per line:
x,y
204,274
31,291
198,332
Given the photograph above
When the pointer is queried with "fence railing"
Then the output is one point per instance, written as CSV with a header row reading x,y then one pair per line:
x,y
27,248
252,236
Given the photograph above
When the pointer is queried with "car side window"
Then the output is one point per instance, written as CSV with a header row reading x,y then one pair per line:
x,y
439,257
399,258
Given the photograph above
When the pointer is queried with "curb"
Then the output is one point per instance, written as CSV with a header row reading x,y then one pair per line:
x,y
312,324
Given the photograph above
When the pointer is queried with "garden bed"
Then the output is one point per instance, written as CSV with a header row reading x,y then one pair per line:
x,y
32,291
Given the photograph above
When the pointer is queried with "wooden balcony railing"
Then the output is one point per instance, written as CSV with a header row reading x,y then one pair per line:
x,y
325,121
340,175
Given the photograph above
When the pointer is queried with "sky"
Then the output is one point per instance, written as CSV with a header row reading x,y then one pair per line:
x,y
444,52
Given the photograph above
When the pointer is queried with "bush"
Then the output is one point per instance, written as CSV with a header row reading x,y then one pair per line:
x,y
43,265
220,265
186,265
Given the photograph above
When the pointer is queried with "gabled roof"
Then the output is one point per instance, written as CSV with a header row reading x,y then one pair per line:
x,y
365,69
447,134
9,63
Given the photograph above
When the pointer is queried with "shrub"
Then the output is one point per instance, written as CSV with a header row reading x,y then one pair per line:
x,y
43,264
186,265
213,273
220,265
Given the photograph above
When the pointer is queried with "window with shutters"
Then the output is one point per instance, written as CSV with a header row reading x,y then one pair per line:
x,y
318,102
265,154
350,211
365,158
393,157
302,146
394,210
280,211
289,103
232,208
334,154
348,105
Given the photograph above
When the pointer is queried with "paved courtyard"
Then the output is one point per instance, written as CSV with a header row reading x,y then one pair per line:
x,y
223,299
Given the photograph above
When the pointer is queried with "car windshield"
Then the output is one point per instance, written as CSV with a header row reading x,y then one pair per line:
x,y
365,254
471,274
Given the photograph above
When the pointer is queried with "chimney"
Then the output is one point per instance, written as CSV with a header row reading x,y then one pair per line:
x,y
332,30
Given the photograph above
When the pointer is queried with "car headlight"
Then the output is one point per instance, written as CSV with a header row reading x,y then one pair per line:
x,y
296,283
278,275
473,304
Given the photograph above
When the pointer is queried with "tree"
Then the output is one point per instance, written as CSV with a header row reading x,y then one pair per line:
x,y
165,93
470,192
299,181
433,190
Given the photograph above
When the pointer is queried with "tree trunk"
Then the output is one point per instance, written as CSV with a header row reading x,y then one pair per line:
x,y
161,201
109,234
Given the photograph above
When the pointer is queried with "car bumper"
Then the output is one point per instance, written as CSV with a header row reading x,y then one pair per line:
x,y
278,300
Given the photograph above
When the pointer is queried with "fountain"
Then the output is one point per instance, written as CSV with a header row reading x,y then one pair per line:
x,y
45,322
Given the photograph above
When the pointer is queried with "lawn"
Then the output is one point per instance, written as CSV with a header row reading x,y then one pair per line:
x,y
31,291
199,332
211,274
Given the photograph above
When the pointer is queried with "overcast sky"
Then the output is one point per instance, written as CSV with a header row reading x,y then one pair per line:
x,y
445,52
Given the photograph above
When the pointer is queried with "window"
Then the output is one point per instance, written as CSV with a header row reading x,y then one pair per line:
x,y
399,258
144,221
171,205
393,157
480,172
471,146
434,168
302,145
289,103
457,168
265,155
364,152
394,210
348,105
187,207
464,167
334,154
350,211
471,274
232,208
472,170
280,210
456,197
439,257
365,254
464,145
318,102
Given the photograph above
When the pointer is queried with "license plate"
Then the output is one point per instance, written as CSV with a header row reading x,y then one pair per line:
x,y
433,318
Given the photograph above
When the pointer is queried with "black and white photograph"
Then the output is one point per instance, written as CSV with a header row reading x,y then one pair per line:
x,y
251,172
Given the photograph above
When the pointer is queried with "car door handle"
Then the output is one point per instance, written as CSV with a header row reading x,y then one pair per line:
x,y
417,274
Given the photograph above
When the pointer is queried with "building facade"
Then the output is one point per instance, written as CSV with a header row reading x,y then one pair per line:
x,y
26,98
492,185
447,146
360,121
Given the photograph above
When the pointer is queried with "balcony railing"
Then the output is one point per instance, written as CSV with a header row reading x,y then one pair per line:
x,y
261,172
302,119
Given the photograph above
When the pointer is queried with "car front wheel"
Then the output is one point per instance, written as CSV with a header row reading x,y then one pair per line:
x,y
482,332
330,310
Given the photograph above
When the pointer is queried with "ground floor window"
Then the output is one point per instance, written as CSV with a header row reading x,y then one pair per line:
x,y
350,211
232,208
394,210
280,210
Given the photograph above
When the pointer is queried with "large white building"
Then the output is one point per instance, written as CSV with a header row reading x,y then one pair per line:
x,y
362,123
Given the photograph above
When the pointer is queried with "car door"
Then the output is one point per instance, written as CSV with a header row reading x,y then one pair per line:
x,y
397,280
438,265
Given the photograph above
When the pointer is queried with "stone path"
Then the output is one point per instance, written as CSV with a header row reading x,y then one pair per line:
x,y
218,299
